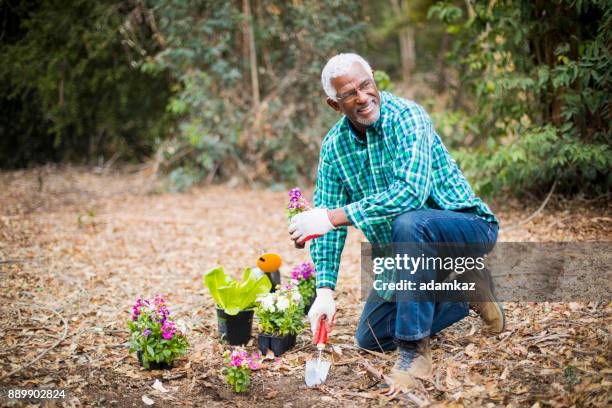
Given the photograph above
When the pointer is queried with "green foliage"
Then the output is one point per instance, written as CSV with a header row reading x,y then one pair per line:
x,y
383,81
220,133
525,90
307,288
539,75
239,377
233,296
70,88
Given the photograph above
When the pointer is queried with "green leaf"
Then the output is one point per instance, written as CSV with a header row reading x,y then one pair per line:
x,y
234,296
214,279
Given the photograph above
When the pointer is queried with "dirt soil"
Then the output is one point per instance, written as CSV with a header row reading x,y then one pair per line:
x,y
77,247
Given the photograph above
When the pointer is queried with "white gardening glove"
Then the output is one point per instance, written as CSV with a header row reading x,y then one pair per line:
x,y
310,224
324,304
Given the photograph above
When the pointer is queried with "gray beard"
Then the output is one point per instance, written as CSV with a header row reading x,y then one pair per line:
x,y
369,122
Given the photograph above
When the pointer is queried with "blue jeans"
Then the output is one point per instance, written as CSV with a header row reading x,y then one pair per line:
x,y
383,321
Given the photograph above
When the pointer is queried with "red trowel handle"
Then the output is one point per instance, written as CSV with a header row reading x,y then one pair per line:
x,y
320,336
308,238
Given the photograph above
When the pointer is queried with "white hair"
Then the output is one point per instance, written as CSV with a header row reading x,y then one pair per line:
x,y
339,65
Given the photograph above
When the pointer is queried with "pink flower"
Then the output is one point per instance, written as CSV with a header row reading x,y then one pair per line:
x,y
236,360
254,364
303,271
167,335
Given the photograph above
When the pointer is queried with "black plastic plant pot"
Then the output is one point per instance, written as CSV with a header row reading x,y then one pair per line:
x,y
153,365
236,329
278,345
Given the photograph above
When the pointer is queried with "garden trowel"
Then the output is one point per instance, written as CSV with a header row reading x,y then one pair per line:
x,y
316,370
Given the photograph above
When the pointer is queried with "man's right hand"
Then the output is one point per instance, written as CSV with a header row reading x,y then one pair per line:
x,y
324,304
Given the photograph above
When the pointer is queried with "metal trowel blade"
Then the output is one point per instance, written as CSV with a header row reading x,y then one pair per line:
x,y
316,372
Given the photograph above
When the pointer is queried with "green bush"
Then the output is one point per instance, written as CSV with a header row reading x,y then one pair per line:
x,y
219,132
539,78
69,85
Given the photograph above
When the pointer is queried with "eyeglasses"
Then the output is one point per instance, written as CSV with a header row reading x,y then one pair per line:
x,y
351,96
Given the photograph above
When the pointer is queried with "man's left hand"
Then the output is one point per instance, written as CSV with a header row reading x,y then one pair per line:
x,y
308,224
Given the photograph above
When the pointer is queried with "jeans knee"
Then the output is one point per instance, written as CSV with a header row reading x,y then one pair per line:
x,y
363,338
408,227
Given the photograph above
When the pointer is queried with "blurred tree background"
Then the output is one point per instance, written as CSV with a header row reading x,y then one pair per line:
x,y
210,90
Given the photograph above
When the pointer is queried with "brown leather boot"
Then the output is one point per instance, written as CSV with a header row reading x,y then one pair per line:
x,y
492,314
414,361
487,307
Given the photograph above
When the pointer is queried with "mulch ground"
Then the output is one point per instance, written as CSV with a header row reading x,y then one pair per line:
x,y
77,247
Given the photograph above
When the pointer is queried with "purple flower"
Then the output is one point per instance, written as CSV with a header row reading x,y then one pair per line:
x,y
146,332
303,271
297,201
295,193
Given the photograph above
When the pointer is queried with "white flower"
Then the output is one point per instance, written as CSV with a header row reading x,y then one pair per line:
x,y
282,303
267,303
296,296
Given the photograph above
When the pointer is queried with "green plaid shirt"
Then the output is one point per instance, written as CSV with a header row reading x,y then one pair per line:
x,y
403,166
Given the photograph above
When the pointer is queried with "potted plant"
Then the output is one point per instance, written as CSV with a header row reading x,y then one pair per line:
x,y
235,302
280,319
157,340
304,274
239,365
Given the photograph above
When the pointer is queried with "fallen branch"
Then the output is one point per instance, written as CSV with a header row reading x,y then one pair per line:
x,y
536,212
17,261
61,339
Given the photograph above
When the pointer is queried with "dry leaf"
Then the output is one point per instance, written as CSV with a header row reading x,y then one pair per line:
x,y
272,394
147,400
504,374
159,386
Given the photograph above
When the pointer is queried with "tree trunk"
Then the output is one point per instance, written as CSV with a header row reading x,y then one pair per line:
x,y
250,40
441,63
406,40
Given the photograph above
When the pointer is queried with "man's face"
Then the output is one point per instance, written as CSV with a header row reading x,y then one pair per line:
x,y
358,97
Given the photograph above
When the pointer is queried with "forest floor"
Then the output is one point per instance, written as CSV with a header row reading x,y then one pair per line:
x,y
77,247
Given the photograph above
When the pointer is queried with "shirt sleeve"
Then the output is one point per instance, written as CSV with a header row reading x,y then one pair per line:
x,y
412,168
327,250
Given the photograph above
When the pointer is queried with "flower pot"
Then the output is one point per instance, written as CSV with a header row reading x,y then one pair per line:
x,y
278,345
153,365
236,330
309,303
